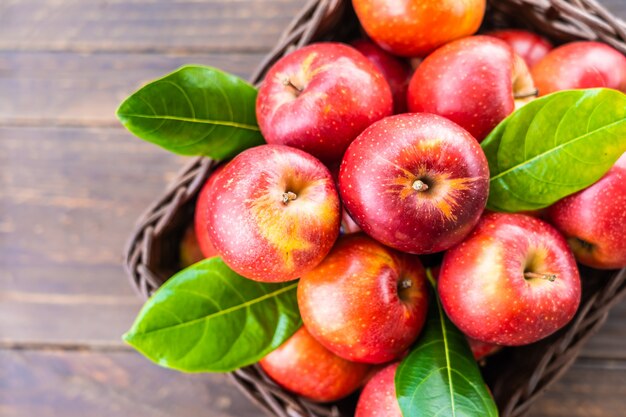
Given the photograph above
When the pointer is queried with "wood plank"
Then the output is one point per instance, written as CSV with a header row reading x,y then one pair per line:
x,y
51,319
104,384
68,198
85,89
92,383
183,26
71,195
610,341
618,7
590,388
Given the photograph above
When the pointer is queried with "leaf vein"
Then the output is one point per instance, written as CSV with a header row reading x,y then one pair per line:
x,y
227,310
556,148
193,120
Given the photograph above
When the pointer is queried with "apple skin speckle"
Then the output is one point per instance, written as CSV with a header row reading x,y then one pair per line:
x,y
413,28
484,290
256,232
201,216
378,398
597,217
530,46
376,328
469,81
305,367
396,71
580,65
377,182
320,97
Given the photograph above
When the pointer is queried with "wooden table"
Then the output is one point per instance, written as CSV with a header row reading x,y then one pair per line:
x,y
73,181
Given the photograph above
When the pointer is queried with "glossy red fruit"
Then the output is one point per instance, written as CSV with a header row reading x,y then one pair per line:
x,y
396,71
530,46
580,65
415,182
473,81
594,220
319,98
416,27
364,302
513,281
378,398
190,252
201,216
481,350
304,367
274,213
348,225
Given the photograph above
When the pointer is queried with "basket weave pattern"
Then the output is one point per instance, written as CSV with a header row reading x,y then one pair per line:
x,y
516,376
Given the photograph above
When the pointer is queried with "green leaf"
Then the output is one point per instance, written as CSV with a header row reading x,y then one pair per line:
x,y
195,110
553,147
440,376
208,318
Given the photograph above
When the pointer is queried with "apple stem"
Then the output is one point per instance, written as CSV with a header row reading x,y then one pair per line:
x,y
532,93
405,283
531,275
288,83
289,196
420,185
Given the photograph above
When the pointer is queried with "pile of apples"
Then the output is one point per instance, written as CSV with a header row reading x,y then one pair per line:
x,y
346,196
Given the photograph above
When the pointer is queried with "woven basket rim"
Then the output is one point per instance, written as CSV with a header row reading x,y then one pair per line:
x,y
560,20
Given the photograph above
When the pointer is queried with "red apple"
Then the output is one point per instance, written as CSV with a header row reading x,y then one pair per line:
x,y
580,65
319,98
415,182
416,27
364,302
274,213
396,72
190,252
473,81
594,220
530,46
513,281
378,398
304,367
481,350
201,216
348,225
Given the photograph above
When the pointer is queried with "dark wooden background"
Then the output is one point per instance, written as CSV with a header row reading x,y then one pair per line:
x,y
72,183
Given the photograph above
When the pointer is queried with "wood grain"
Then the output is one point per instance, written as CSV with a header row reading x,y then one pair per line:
x,y
591,388
180,26
618,7
610,341
69,196
105,384
61,88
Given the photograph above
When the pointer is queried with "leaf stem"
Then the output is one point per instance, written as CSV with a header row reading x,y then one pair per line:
x,y
288,83
532,93
289,196
532,275
420,185
431,278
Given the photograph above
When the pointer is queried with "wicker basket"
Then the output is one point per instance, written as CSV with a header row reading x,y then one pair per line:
x,y
516,375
